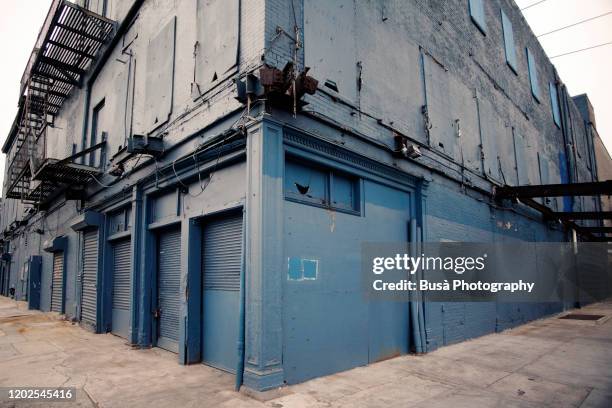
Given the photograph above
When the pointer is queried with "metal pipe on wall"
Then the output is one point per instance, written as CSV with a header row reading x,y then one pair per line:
x,y
241,318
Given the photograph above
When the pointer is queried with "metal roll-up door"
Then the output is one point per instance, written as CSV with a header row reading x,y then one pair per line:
x,y
89,291
122,288
221,264
57,283
168,286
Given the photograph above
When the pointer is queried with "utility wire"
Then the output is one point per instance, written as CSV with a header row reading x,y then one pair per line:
x,y
575,24
534,4
580,50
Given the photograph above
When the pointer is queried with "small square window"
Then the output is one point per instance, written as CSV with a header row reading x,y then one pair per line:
x,y
306,183
343,192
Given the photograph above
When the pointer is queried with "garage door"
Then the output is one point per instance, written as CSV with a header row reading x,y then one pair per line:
x,y
168,287
57,283
89,279
122,284
221,258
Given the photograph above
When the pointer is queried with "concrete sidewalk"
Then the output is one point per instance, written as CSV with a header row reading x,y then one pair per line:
x,y
551,362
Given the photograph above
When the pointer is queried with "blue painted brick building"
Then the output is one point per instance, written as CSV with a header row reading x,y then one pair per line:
x,y
168,205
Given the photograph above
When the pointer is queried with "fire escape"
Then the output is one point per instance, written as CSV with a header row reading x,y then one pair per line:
x,y
68,43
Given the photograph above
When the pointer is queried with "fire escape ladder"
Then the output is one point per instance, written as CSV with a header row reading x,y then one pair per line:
x,y
68,43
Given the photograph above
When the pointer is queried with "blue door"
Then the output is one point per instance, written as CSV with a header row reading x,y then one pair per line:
x,y
168,289
388,216
122,288
221,258
34,266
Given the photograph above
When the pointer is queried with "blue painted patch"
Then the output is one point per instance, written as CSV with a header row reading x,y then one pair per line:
x,y
310,268
302,269
294,271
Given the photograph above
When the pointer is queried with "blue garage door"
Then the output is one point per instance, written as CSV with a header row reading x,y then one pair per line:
x,y
221,257
168,288
122,284
89,279
57,283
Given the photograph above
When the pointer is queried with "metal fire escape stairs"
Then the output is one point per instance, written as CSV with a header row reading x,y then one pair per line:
x,y
68,43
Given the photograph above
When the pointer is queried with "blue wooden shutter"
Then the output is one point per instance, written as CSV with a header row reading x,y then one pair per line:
x,y
509,41
533,75
554,103
477,14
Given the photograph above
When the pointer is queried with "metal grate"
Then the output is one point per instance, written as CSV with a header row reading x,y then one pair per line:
x,y
89,292
122,275
221,254
57,282
579,316
169,282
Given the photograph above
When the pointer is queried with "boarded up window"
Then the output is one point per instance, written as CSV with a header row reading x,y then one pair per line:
x,y
520,149
329,41
217,36
452,112
533,75
554,104
160,77
509,41
477,14
389,77
493,131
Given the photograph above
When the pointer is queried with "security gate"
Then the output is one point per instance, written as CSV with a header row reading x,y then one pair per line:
x,y
221,262
57,283
89,279
122,284
168,289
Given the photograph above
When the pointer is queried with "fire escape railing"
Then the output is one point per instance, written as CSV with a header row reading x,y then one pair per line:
x,y
67,45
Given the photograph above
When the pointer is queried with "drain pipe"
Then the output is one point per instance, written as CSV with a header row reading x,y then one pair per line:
x,y
241,319
414,302
99,64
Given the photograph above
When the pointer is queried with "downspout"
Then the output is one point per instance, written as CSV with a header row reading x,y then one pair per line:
x,y
108,51
414,301
241,319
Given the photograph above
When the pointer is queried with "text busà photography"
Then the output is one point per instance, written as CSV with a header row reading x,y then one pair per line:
x,y
306,203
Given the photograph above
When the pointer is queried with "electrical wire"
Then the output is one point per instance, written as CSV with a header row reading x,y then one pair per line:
x,y
580,50
534,4
575,24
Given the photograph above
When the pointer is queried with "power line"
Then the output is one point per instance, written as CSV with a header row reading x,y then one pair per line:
x,y
580,50
575,24
534,4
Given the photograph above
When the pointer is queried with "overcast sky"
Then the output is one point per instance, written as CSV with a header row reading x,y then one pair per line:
x,y
584,72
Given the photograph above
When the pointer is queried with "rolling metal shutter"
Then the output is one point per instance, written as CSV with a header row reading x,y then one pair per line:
x,y
121,275
89,278
221,250
169,262
57,282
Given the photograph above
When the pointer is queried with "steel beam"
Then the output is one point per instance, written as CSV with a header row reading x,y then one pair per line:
x,y
604,230
585,215
555,190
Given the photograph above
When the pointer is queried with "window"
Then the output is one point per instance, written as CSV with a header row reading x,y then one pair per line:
x,y
554,103
477,14
120,221
96,136
509,41
533,75
322,187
